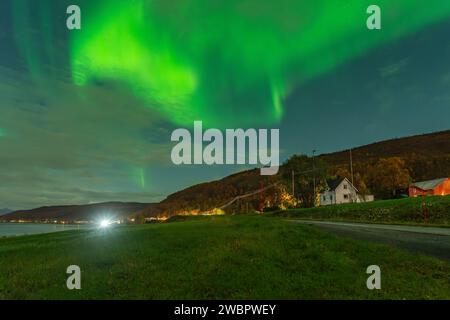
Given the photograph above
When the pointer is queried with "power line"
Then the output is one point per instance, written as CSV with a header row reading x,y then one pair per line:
x,y
247,195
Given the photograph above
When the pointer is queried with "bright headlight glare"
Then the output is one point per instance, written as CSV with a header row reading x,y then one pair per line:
x,y
104,223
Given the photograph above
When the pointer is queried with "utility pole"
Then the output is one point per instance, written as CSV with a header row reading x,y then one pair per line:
x,y
351,166
314,177
261,197
293,187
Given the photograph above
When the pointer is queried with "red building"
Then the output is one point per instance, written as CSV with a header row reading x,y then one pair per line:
x,y
436,187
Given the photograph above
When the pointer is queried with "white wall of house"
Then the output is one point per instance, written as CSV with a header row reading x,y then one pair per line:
x,y
327,198
345,192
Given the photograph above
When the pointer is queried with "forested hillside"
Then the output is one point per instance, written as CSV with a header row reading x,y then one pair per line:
x,y
413,158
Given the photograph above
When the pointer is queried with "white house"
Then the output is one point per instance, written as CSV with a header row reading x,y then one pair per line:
x,y
341,190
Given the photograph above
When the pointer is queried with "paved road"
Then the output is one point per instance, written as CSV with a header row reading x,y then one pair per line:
x,y
427,240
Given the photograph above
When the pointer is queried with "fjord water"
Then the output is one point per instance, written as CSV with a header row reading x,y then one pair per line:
x,y
18,229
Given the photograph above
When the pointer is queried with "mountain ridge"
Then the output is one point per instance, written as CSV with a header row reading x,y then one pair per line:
x,y
5,211
427,157
71,213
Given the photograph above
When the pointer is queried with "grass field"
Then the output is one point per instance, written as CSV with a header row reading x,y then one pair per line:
x,y
222,257
398,211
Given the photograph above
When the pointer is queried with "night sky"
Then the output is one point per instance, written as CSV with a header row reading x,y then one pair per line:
x,y
86,115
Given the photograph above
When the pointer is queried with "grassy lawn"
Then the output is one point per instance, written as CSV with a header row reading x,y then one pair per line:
x,y
398,211
222,257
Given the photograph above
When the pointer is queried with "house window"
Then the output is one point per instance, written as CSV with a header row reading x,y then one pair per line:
x,y
345,186
331,197
345,196
324,198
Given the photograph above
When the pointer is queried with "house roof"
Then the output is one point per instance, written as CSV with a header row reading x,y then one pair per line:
x,y
334,183
429,184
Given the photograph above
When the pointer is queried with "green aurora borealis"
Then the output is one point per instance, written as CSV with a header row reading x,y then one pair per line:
x,y
86,115
221,61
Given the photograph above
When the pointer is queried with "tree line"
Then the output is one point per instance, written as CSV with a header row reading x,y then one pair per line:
x,y
306,177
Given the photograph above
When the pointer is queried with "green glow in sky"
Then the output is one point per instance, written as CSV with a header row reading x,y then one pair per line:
x,y
142,178
123,49
86,115
138,177
227,63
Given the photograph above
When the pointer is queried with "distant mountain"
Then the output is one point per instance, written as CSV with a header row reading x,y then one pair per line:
x,y
4,211
427,157
70,213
